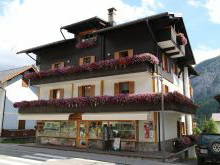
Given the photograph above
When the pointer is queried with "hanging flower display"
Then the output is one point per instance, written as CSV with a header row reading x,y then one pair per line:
x,y
182,39
82,102
105,64
86,43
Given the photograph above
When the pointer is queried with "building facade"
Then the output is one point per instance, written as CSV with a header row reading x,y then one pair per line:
x,y
108,77
14,88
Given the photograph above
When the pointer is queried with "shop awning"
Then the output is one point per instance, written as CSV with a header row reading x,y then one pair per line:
x,y
63,116
116,116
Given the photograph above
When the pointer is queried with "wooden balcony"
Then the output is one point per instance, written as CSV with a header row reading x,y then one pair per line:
x,y
169,41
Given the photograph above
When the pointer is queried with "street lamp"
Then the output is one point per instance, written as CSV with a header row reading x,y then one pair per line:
x,y
163,149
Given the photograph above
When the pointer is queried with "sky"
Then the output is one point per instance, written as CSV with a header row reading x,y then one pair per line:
x,y
29,23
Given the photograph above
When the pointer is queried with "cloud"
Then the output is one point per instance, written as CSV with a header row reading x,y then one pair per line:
x,y
195,3
213,10
35,22
203,53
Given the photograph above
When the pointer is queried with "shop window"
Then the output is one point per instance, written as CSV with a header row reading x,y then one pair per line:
x,y
124,130
56,94
86,60
124,53
87,90
67,129
57,65
21,124
25,82
95,130
124,88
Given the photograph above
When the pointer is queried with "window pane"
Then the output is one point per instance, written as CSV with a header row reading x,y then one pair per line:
x,y
124,88
95,130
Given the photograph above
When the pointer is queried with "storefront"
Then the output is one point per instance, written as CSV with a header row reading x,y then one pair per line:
x,y
88,131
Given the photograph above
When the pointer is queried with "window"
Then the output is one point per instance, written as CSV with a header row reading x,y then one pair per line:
x,y
124,53
166,63
175,69
56,94
87,90
124,130
124,88
95,130
25,82
57,65
21,124
86,60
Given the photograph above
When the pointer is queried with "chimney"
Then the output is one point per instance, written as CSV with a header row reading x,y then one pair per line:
x,y
111,13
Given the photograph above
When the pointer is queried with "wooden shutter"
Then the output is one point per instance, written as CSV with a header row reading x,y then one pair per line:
x,y
51,94
102,88
166,89
116,89
92,90
80,91
116,55
131,87
61,93
92,59
130,53
81,61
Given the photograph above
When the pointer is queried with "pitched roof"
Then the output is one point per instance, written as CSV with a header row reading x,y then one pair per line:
x,y
6,75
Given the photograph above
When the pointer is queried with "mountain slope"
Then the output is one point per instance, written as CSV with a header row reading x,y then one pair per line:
x,y
206,86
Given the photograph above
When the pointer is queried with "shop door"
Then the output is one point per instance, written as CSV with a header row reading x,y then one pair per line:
x,y
82,136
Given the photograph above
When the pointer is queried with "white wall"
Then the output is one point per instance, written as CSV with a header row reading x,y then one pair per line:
x,y
170,123
17,93
143,84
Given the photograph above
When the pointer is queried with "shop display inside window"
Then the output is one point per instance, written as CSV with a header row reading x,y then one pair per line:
x,y
68,129
95,130
124,130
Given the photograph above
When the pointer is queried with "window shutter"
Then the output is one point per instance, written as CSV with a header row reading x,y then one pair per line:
x,y
80,91
130,53
131,87
61,93
92,91
81,61
51,94
92,59
116,89
116,55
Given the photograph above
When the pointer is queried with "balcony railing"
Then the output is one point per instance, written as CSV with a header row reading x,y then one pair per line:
x,y
137,63
123,103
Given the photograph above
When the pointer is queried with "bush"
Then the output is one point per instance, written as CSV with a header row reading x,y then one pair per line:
x,y
210,126
196,131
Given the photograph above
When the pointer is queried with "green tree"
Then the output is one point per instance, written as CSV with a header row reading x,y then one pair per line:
x,y
210,126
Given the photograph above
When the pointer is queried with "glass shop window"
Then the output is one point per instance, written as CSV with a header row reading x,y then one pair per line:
x,y
68,129
124,130
95,130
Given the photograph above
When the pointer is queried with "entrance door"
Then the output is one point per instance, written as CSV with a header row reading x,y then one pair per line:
x,y
82,137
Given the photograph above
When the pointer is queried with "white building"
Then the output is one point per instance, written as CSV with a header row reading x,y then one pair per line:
x,y
14,88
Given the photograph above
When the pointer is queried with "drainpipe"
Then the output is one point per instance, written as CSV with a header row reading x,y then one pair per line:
x,y
3,114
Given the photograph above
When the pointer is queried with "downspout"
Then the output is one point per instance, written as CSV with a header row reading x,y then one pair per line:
x,y
156,69
3,114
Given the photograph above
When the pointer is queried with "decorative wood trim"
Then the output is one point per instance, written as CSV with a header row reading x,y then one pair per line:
x,y
102,88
